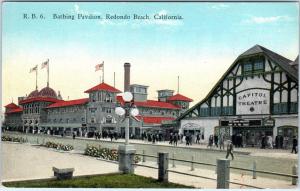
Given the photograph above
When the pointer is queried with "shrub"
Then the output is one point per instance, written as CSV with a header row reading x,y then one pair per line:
x,y
105,153
13,139
59,146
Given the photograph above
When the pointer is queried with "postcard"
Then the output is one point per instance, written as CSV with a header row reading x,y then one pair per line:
x,y
150,94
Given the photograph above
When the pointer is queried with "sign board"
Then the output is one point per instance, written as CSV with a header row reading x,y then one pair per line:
x,y
253,101
269,122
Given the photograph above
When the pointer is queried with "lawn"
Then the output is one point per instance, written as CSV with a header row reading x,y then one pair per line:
x,y
107,181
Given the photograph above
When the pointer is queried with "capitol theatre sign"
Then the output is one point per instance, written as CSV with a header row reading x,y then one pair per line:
x,y
253,101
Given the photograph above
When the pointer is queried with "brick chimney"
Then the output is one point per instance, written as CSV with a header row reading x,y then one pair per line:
x,y
126,77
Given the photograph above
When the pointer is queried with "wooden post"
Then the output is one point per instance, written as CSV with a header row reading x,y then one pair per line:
x,y
173,162
163,165
294,172
254,170
144,157
192,163
223,173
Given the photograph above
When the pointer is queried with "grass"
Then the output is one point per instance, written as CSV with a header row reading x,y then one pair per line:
x,y
107,181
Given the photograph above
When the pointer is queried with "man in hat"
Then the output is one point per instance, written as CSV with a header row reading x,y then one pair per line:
x,y
229,149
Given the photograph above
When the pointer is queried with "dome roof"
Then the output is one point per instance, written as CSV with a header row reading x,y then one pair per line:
x,y
47,92
34,93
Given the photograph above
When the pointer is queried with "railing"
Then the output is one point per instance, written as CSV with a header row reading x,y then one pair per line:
x,y
222,182
294,175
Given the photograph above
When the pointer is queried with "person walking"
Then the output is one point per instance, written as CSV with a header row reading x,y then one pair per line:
x,y
171,139
210,141
263,142
153,138
187,141
198,139
295,145
191,139
74,135
230,150
276,142
216,140
221,142
175,139
281,141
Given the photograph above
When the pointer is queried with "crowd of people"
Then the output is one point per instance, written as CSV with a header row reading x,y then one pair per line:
x,y
174,138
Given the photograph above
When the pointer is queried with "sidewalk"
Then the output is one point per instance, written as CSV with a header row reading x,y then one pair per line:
x,y
197,182
272,153
25,162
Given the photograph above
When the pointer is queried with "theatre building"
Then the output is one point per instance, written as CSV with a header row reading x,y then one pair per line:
x,y
256,96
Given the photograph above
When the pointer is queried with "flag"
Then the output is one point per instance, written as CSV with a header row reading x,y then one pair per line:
x,y
99,66
45,64
33,69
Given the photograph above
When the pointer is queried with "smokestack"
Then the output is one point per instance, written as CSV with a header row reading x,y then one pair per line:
x,y
126,77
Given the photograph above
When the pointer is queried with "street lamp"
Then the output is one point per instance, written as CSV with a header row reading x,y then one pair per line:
x,y
129,109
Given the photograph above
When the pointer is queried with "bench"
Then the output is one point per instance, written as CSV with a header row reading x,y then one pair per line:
x,y
63,173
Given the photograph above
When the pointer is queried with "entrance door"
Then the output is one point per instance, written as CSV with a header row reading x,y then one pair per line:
x,y
252,136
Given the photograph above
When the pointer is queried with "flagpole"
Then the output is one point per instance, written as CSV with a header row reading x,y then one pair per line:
x,y
114,79
103,73
36,74
48,73
178,84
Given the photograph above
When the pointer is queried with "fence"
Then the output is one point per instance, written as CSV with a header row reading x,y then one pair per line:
x,y
222,170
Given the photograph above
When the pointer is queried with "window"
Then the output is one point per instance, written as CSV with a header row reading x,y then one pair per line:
x,y
228,110
108,110
294,107
247,68
108,119
92,110
258,65
279,108
204,112
253,66
215,111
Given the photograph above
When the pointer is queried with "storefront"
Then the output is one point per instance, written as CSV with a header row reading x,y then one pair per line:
x,y
257,97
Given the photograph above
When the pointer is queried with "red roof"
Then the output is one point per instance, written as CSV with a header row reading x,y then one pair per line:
x,y
11,106
150,103
156,120
48,99
103,86
15,110
63,103
179,97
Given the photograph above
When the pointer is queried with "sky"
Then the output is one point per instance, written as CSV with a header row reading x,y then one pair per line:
x,y
199,48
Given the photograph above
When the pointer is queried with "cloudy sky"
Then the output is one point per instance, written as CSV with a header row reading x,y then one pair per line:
x,y
199,48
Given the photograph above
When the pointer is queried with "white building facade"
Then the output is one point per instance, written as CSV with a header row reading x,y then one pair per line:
x,y
256,96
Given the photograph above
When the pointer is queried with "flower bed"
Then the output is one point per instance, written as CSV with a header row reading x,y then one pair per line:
x,y
105,153
59,146
13,139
